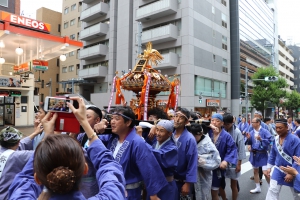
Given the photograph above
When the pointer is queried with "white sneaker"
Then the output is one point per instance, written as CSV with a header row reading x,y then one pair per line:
x,y
256,190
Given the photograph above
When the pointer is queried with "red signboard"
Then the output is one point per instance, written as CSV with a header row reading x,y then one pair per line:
x,y
24,21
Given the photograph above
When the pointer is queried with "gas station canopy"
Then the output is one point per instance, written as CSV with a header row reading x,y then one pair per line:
x,y
33,38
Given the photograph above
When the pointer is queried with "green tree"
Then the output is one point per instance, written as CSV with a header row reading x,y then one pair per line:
x,y
264,91
293,100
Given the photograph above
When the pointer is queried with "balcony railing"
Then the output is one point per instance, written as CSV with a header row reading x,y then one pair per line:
x,y
100,71
170,61
156,10
160,34
94,12
94,31
92,52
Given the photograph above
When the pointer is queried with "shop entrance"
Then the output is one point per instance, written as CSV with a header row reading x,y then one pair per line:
x,y
7,111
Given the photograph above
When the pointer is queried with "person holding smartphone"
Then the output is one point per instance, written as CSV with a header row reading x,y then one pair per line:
x,y
61,173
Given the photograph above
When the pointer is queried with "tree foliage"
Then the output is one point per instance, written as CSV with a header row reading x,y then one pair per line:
x,y
293,100
267,92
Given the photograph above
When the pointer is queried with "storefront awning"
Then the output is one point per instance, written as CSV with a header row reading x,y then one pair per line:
x,y
36,44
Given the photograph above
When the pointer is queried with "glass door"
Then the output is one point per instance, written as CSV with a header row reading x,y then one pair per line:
x,y
9,111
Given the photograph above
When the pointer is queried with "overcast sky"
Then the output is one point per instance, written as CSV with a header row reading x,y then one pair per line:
x,y
29,7
288,15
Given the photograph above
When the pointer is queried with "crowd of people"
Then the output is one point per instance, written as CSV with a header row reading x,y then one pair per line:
x,y
173,157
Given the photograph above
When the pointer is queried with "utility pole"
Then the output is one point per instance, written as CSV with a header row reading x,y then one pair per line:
x,y
139,37
50,93
246,92
72,85
220,108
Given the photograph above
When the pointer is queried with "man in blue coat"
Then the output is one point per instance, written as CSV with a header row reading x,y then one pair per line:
x,y
186,171
258,143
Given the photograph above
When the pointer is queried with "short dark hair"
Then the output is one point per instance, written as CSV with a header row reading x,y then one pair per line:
x,y
257,120
267,119
288,117
297,120
8,145
159,113
96,110
127,111
185,111
194,128
194,116
228,118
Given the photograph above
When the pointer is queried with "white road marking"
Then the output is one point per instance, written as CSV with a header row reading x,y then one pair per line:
x,y
247,166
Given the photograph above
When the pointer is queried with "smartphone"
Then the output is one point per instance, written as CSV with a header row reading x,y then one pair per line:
x,y
57,104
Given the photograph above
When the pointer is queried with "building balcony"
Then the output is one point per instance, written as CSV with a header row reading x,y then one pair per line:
x,y
93,52
170,61
94,12
93,72
156,10
94,31
160,34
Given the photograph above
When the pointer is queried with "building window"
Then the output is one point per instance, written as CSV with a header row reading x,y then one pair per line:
x,y
73,7
224,20
224,2
213,10
64,70
58,27
225,70
4,3
66,10
72,37
78,22
224,62
77,68
72,53
71,68
42,97
57,62
42,84
224,42
66,25
57,77
209,87
214,58
56,89
72,22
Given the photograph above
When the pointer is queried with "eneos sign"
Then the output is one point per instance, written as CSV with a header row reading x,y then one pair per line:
x,y
23,21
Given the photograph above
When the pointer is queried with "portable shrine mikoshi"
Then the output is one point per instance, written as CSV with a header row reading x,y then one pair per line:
x,y
146,83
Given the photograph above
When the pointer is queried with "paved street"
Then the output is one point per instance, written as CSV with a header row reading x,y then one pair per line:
x,y
25,130
246,185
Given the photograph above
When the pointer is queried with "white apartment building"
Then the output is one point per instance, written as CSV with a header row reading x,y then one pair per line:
x,y
70,26
193,37
286,60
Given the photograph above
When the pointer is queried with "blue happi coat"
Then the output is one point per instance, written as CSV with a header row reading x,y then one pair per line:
x,y
167,157
291,147
186,170
259,149
109,176
228,152
187,158
297,180
138,162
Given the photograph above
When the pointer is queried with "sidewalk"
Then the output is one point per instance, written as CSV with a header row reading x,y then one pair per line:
x,y
26,130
